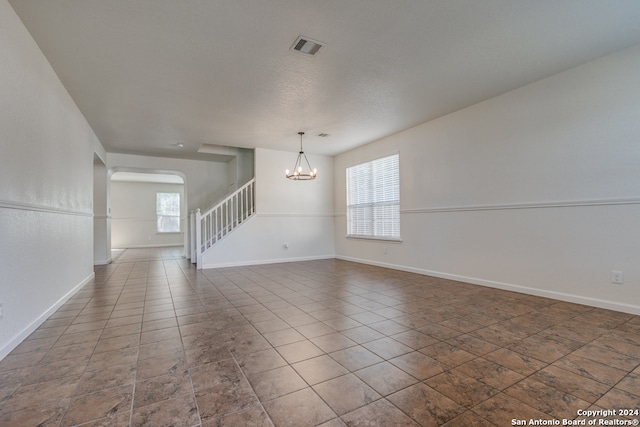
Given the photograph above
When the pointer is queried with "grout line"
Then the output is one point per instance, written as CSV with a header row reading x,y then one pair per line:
x,y
252,390
90,357
291,284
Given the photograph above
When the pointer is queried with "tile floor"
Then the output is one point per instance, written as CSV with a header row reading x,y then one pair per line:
x,y
154,342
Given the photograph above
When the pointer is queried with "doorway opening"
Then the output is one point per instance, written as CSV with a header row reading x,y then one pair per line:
x,y
148,210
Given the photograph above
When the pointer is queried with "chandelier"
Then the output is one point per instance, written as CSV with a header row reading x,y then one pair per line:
x,y
297,173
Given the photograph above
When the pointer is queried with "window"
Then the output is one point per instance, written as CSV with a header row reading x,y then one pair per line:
x,y
373,199
168,212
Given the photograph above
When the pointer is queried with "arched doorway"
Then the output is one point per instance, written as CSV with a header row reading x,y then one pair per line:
x,y
140,204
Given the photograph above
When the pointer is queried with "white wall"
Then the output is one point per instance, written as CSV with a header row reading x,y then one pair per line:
x,y
245,166
46,178
205,182
536,190
299,214
101,215
240,169
133,215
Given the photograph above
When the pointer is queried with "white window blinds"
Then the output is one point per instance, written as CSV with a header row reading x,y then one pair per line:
x,y
373,199
168,212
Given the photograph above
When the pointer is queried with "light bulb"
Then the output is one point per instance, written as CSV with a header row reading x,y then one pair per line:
x,y
286,172
299,169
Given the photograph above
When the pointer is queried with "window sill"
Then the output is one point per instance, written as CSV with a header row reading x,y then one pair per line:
x,y
380,239
169,232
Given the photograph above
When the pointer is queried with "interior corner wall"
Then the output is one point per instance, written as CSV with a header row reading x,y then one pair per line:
x,y
46,195
133,215
241,168
536,190
245,166
293,221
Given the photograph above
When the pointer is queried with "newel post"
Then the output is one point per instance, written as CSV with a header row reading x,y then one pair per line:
x,y
198,239
192,237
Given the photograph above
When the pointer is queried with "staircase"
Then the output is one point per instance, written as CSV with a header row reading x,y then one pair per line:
x,y
215,224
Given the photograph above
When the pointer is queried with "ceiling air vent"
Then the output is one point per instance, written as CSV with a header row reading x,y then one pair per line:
x,y
323,135
306,45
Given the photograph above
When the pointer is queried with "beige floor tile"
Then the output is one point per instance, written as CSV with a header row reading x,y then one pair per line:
x,y
319,369
94,380
354,358
387,348
380,347
490,373
301,408
425,405
515,361
160,388
549,400
502,409
46,415
463,389
104,403
418,365
590,369
448,354
179,412
277,382
299,351
346,393
385,378
380,412
468,419
574,384
253,416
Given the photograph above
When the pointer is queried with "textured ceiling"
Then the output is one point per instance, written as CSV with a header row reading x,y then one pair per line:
x,y
148,74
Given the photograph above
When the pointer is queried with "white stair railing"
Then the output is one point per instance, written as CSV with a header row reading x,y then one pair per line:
x,y
217,222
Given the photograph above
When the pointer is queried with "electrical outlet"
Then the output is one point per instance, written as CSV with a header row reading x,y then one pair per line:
x,y
617,277
385,250
1,311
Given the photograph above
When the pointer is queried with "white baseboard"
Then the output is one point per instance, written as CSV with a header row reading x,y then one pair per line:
x,y
165,245
266,261
102,262
15,341
593,302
